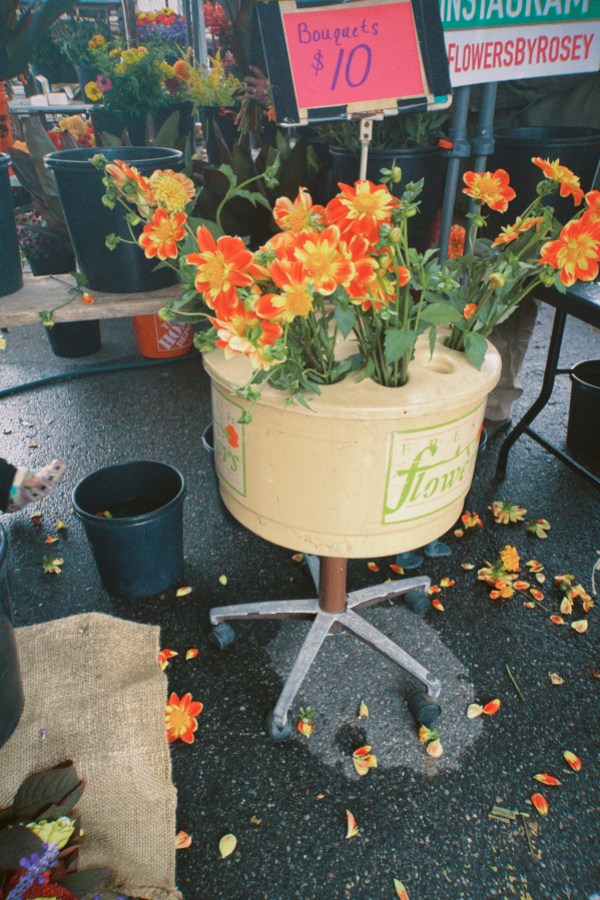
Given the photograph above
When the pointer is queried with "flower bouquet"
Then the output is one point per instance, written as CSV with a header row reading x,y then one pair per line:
x,y
130,78
164,26
338,288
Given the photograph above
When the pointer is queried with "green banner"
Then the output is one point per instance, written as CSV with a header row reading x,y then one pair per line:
x,y
502,13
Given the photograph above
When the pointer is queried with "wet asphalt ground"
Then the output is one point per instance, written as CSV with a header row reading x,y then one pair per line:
x,y
423,821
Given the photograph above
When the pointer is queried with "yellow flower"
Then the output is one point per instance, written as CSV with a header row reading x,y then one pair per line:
x,y
120,68
97,41
130,56
510,558
114,53
171,189
93,92
167,70
74,125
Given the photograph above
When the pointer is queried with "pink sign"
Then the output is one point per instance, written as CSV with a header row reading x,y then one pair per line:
x,y
348,54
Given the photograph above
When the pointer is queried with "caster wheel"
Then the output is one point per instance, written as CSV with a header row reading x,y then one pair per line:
x,y
279,734
417,601
222,635
424,709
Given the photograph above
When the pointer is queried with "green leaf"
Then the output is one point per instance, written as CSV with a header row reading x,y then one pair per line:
x,y
15,843
253,197
475,348
168,132
441,314
59,786
432,339
229,174
344,318
398,342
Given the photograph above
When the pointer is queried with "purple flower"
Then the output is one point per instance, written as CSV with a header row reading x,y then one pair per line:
x,y
35,868
104,83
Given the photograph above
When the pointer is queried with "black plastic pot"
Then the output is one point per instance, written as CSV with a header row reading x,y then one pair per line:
x,y
116,121
57,260
185,125
577,148
80,188
11,686
139,550
428,163
583,429
11,276
71,340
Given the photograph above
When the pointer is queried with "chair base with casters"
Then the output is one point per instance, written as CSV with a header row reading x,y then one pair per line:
x,y
334,610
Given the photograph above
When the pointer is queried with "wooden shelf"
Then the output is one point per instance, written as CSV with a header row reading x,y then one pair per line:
x,y
47,291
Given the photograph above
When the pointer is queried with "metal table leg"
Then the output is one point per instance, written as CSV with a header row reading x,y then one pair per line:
x,y
550,373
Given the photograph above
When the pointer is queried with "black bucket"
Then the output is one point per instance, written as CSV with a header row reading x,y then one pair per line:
x,y
11,276
11,687
428,163
577,148
583,429
139,551
71,340
125,269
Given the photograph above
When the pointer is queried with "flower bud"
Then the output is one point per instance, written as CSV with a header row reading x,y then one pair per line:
x,y
396,175
384,261
496,281
396,235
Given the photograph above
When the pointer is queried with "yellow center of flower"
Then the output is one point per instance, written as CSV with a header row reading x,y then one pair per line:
x,y
297,219
179,720
366,203
170,193
576,252
165,231
215,271
299,302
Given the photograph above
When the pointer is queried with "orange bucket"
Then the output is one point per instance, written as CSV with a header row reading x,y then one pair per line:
x,y
160,340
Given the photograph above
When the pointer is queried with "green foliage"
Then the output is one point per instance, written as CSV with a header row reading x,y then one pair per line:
x,y
399,132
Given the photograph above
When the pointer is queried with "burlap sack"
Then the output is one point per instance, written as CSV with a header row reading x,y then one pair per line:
x,y
94,693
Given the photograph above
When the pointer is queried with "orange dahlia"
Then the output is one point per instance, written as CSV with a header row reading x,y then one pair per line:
x,y
160,236
295,298
245,334
181,718
221,267
575,254
173,190
592,214
323,261
570,185
299,214
491,188
510,233
361,208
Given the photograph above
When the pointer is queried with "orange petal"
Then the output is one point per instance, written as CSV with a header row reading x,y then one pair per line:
x,y
557,620
581,626
192,653
434,748
298,557
572,760
183,591
50,539
397,569
566,606
555,678
60,525
363,710
351,826
467,566
373,567
223,579
36,517
437,604
529,604
536,594
540,803
434,589
547,779
492,707
447,582
522,585
474,710
183,840
361,767
227,845
400,890
458,533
